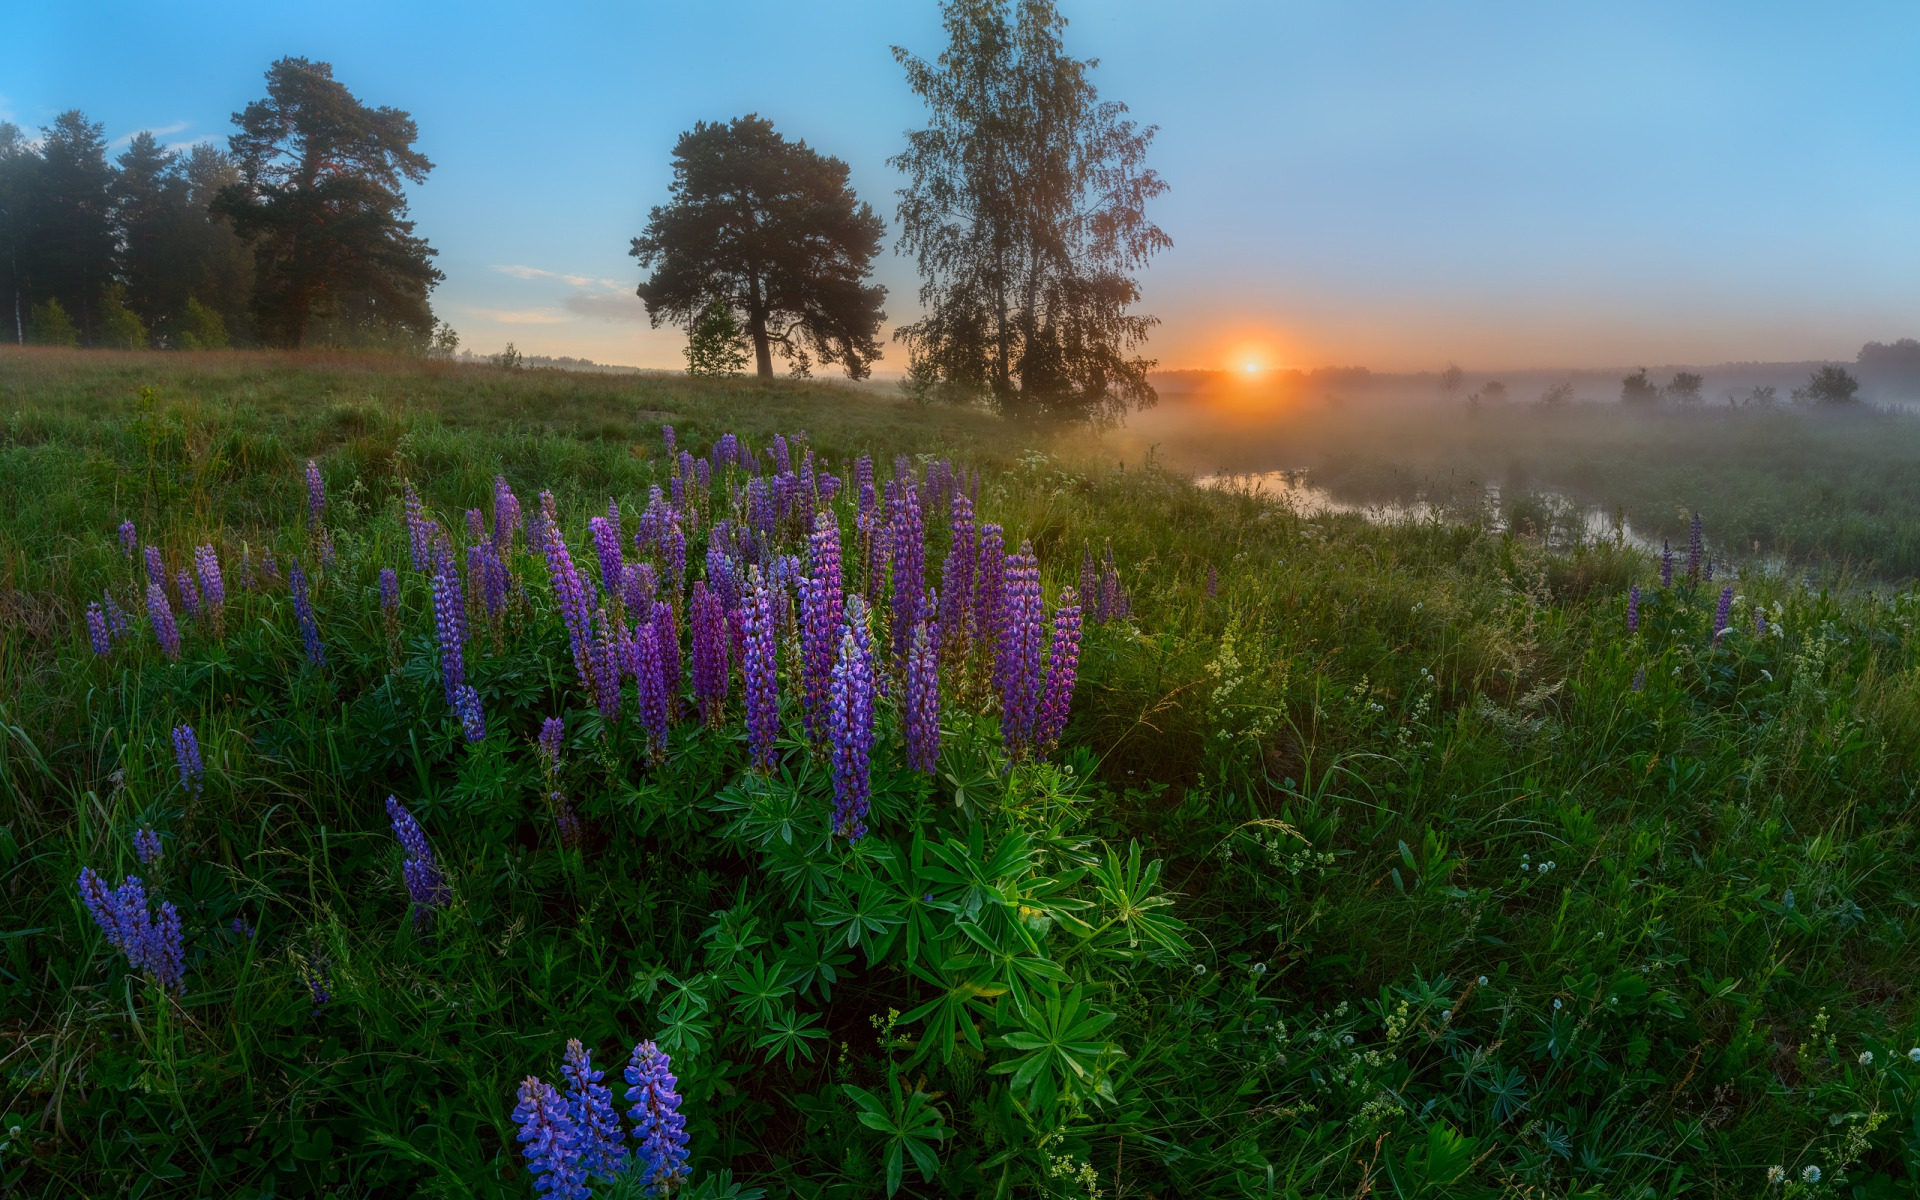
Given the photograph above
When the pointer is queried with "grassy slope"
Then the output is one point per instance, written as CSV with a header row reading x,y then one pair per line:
x,y
1344,759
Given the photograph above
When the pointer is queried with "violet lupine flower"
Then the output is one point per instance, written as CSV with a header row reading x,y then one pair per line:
x,y
989,587
319,986
268,566
417,529
119,624
450,632
506,516
1090,586
1213,581
303,613
1759,622
552,730
483,564
1113,598
473,717
678,490
606,657
1017,664
156,567
658,1124
760,512
650,686
146,845
316,494
570,591
666,435
186,758
1708,574
389,591
850,724
166,952
639,585
673,553
189,598
1063,666
863,479
710,684
128,539
602,1146
1640,680
551,1142
760,674
822,600
1723,614
666,632
328,557
1695,547
606,544
476,524
1666,563
921,706
97,631
782,459
426,886
151,942
213,588
161,614
247,579
1633,609
909,566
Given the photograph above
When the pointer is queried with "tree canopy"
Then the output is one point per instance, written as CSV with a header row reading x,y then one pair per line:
x,y
1025,207
320,198
771,229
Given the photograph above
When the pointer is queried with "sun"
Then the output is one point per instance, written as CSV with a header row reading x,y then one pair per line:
x,y
1252,368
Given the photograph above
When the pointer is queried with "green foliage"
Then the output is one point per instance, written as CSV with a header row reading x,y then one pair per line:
x,y
201,328
119,328
51,326
1396,867
1829,385
715,349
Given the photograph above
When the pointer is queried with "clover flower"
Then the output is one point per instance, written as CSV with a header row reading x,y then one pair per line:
x,y
1776,1175
1810,1174
303,613
426,886
658,1124
850,724
551,1141
186,757
164,628
759,671
921,704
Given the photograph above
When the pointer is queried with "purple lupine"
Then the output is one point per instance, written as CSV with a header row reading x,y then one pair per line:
x,y
166,951
863,479
1666,563
551,1142
552,730
1759,622
319,985
989,587
666,435
426,886
303,613
673,554
161,614
247,580
822,600
268,566
850,724
189,596
417,529
119,624
151,943
128,539
710,684
1063,667
1113,597
570,591
97,631
506,516
476,524
1633,609
640,584
666,632
328,557
759,671
146,845
956,577
389,591
1017,664
921,704
606,544
1213,581
1708,573
213,588
650,686
658,1124
908,531
1723,615
483,563
316,494
606,656
186,758
473,717
760,510
1090,586
1696,546
602,1147
156,566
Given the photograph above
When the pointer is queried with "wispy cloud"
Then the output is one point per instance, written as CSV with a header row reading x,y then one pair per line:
x,y
155,130
579,281
522,316
607,306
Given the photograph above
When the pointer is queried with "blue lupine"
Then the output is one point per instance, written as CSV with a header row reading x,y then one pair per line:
x,y
590,1104
119,624
1063,667
161,614
151,943
186,757
551,1142
1759,622
710,678
389,591
146,845
425,885
156,567
316,494
1723,614
658,1124
921,703
1666,563
552,730
303,614
189,596
1633,609
822,600
476,524
473,718
213,588
1696,546
417,529
128,538
506,516
450,630
908,532
650,686
97,631
319,985
759,671
850,724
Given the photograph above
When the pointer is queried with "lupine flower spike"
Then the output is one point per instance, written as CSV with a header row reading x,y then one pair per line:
x,y
759,672
850,724
425,885
164,628
1723,614
658,1124
150,940
186,757
316,494
1633,609
98,633
551,1142
303,614
921,706
146,845
590,1105
128,538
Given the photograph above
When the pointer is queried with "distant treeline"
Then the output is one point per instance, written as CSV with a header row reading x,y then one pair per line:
x,y
293,236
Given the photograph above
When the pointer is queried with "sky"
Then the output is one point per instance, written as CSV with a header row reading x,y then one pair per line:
x,y
1352,182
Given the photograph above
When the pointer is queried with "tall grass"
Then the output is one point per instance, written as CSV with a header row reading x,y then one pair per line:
x,y
1472,891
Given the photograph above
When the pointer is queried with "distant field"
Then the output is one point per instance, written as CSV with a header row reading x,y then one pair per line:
x,y
1409,860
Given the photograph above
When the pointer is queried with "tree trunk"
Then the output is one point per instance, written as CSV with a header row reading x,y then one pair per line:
x,y
762,349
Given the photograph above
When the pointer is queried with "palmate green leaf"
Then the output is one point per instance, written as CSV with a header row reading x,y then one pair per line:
x,y
979,878
788,1032
760,988
1018,961
924,898
1059,1049
810,960
910,1122
949,1017
863,912
1127,888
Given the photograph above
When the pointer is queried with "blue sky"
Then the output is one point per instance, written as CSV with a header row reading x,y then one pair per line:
x,y
1389,184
